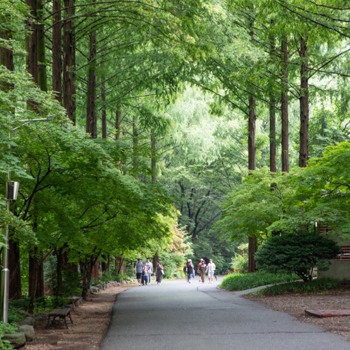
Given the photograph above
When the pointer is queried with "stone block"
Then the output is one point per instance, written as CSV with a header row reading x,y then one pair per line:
x,y
28,332
17,339
27,321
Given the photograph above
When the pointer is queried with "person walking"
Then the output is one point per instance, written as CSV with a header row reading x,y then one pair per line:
x,y
138,270
149,270
199,269
189,270
203,270
144,274
211,270
159,273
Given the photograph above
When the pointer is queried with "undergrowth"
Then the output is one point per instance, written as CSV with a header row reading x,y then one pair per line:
x,y
314,286
257,279
6,328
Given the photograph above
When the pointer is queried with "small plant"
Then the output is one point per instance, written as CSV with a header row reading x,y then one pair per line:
x,y
257,279
314,286
6,328
297,252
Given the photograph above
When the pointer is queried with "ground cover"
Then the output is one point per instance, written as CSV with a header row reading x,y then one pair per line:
x,y
294,304
91,321
322,285
257,279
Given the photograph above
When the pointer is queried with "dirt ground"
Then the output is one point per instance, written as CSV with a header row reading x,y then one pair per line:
x,y
91,321
296,304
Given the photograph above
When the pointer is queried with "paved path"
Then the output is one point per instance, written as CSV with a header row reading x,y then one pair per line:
x,y
178,315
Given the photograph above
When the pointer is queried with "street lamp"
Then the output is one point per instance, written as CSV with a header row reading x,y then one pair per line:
x,y
11,195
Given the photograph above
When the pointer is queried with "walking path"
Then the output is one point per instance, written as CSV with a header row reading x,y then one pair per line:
x,y
178,315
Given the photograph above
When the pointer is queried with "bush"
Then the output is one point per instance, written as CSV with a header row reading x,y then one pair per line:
x,y
252,280
240,261
6,328
314,286
297,252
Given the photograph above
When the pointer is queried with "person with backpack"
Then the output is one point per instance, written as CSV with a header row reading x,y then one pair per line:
x,y
198,269
189,270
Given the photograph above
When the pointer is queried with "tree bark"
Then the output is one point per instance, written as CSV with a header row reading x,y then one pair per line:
x,y
251,166
118,117
59,264
304,104
15,270
104,115
91,116
32,42
41,56
69,61
273,164
135,144
284,107
56,50
153,159
251,136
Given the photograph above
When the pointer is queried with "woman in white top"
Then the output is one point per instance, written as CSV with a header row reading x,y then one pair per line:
x,y
211,269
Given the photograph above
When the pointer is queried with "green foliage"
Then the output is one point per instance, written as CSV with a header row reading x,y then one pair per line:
x,y
297,252
240,260
42,304
252,280
171,262
315,286
6,328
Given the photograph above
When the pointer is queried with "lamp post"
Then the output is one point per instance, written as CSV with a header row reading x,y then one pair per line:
x,y
11,195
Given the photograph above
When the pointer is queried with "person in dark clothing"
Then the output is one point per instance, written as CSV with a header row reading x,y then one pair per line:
x,y
189,270
159,273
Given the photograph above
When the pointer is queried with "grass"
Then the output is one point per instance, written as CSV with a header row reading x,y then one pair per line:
x,y
321,285
257,279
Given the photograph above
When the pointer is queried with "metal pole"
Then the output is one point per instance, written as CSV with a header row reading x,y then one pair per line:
x,y
5,278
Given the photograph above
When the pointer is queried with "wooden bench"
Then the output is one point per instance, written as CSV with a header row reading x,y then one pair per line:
x,y
61,314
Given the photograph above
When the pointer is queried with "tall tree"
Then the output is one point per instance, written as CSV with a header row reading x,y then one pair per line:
x,y
284,107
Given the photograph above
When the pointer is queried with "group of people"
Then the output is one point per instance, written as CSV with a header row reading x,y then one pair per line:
x,y
202,269
144,272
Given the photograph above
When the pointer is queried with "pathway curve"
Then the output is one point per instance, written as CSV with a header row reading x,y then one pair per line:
x,y
178,315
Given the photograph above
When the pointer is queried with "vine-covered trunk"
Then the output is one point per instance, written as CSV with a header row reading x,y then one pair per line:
x,y
284,108
91,115
153,159
41,57
251,166
69,60
118,117
304,104
86,272
135,143
104,114
56,50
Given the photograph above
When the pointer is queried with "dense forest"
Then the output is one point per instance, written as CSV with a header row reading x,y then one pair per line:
x,y
169,129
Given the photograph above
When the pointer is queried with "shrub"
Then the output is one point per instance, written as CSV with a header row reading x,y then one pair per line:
x,y
252,280
314,286
6,328
297,252
240,261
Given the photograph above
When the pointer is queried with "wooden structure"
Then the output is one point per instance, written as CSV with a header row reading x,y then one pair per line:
x,y
62,314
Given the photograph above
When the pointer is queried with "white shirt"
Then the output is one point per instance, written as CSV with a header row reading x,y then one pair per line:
x,y
211,268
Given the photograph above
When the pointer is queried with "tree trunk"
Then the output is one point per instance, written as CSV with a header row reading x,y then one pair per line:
x,y
153,160
252,247
304,104
91,116
135,143
15,271
104,264
56,50
118,117
42,79
251,137
251,166
40,286
31,42
69,61
59,264
104,115
284,107
33,277
86,273
273,165
6,59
